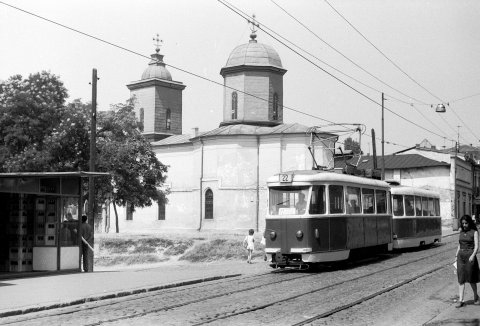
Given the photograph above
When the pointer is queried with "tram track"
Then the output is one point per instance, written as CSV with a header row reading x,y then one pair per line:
x,y
263,280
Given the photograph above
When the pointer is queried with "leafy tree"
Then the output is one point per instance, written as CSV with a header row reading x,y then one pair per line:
x,y
29,110
40,133
353,145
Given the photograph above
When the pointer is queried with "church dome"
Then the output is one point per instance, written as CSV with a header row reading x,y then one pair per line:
x,y
254,54
156,68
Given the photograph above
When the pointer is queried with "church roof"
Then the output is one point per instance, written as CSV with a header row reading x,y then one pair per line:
x,y
239,129
254,54
156,68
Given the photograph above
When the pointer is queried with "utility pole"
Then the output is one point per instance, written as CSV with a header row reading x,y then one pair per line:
x,y
458,140
383,139
93,148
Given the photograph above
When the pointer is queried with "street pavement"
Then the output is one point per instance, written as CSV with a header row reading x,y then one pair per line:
x,y
51,290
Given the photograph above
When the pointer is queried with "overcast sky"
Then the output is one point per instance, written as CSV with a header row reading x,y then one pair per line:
x,y
431,52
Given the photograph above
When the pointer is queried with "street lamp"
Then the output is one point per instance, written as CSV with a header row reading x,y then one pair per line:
x,y
440,108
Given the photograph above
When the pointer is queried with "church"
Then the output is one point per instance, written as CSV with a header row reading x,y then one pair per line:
x,y
217,179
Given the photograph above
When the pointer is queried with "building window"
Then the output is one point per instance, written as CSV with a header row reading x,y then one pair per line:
x,y
168,120
234,105
129,212
142,119
275,107
161,210
209,204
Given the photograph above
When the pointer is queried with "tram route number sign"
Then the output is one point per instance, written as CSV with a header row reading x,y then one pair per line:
x,y
285,177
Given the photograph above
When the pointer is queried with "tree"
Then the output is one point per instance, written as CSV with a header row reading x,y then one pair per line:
x,y
29,110
56,137
353,145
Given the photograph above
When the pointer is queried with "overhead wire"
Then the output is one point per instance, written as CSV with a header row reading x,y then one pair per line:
x,y
347,58
396,65
207,79
249,18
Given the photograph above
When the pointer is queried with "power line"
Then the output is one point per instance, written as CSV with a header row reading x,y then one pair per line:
x,y
248,18
397,66
347,58
183,70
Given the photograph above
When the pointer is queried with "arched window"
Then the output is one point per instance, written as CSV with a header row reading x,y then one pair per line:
x,y
168,120
209,204
275,107
234,105
142,119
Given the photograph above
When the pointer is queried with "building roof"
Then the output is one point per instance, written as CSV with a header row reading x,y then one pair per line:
x,y
406,161
156,68
242,129
254,54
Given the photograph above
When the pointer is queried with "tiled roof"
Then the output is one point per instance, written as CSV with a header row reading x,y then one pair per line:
x,y
406,161
240,129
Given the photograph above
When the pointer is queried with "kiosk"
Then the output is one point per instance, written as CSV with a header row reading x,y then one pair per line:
x,y
40,220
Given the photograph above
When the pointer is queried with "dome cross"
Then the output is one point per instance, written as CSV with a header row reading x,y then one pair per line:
x,y
254,23
158,43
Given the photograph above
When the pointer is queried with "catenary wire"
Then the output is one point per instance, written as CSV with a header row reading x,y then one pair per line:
x,y
190,73
397,66
248,18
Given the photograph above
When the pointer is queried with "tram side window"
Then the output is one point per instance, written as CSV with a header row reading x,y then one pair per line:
x,y
436,204
381,199
335,194
425,206
368,201
318,200
354,201
398,205
431,208
418,206
409,205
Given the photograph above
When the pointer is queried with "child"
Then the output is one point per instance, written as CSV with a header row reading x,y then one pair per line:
x,y
248,244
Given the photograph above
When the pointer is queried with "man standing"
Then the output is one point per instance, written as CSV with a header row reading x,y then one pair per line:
x,y
86,233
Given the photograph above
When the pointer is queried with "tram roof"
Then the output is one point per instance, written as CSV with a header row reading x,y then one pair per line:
x,y
413,191
306,176
52,174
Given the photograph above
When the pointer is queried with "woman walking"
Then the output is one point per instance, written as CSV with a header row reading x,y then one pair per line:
x,y
467,264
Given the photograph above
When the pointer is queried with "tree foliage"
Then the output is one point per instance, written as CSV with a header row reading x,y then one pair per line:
x,y
353,145
39,132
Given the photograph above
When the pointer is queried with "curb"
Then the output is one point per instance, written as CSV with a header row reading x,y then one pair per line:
x,y
111,296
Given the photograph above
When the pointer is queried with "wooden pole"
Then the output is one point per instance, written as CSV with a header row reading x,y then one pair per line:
x,y
383,139
91,184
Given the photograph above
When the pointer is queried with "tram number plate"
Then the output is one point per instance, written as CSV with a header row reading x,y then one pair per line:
x,y
286,177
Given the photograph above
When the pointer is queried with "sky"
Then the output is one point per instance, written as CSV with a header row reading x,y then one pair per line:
x,y
340,57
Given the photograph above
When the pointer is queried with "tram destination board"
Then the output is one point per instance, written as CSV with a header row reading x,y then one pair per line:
x,y
285,177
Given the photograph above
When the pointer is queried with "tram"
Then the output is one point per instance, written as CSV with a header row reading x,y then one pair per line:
x,y
319,216
416,217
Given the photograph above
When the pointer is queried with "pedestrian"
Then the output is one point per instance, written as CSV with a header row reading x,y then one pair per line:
x,y
248,243
466,255
264,243
86,233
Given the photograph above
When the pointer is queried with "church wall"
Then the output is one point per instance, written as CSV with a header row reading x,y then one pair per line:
x,y
168,98
235,81
144,97
258,84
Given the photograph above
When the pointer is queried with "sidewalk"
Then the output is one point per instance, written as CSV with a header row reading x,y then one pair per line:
x,y
29,294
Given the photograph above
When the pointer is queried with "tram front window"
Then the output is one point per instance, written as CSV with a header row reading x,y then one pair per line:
x,y
288,200
318,200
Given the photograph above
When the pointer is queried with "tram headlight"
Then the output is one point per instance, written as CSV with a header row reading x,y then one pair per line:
x,y
273,235
299,234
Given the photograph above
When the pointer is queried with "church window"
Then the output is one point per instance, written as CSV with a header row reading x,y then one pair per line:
x,y
142,119
275,107
234,105
209,204
161,210
168,120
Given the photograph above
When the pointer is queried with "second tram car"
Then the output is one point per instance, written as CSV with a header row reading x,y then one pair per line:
x,y
318,216
416,217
